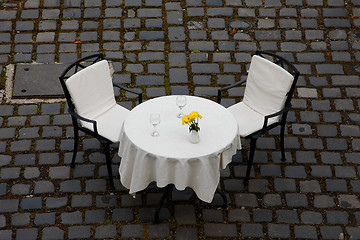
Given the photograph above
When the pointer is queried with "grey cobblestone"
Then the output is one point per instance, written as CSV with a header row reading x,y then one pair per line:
x,y
279,230
76,232
307,232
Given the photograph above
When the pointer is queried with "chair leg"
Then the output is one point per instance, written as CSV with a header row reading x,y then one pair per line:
x,y
282,144
76,142
108,164
167,190
250,160
223,197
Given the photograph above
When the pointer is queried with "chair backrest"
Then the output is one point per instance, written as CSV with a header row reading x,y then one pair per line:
x,y
269,86
90,89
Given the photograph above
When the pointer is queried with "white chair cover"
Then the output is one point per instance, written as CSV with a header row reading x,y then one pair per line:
x,y
92,93
265,93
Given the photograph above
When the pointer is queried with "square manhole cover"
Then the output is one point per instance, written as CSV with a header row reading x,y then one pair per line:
x,y
38,81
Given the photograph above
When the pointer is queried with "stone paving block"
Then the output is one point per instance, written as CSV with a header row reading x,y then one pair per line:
x,y
321,171
349,201
9,205
52,232
336,185
252,230
287,216
336,144
350,130
211,215
352,157
185,214
178,75
246,200
70,186
20,219
295,171
285,184
132,230
56,202
45,144
24,159
31,203
220,230
81,201
272,200
337,217
262,215
44,187
354,232
296,200
307,156
258,185
105,231
158,230
20,189
95,216
62,172
16,121
10,173
76,232
345,172
311,217
7,133
71,217
27,233
323,201
330,232
279,230
6,234
147,214
186,233
122,214
355,185
331,158
306,232
96,185
44,218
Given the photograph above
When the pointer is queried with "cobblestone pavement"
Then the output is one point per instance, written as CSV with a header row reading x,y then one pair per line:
x,y
185,47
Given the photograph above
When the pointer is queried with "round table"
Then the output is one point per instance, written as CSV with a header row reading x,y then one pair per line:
x,y
171,158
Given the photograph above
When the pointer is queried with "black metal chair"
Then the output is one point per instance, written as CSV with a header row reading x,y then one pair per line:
x,y
269,89
89,92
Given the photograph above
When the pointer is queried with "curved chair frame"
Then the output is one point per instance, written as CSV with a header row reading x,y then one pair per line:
x,y
282,113
68,72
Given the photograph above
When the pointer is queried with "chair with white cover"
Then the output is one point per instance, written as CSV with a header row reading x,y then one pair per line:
x,y
267,98
88,88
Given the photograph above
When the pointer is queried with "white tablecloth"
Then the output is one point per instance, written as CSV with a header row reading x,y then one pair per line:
x,y
170,157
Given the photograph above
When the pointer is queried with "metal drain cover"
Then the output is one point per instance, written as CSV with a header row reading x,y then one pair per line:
x,y
38,81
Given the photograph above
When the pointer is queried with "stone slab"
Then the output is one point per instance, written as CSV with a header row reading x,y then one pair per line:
x,y
38,81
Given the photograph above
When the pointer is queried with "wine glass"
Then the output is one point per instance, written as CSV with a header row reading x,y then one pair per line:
x,y
155,120
181,102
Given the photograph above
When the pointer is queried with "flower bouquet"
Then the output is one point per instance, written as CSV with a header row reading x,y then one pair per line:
x,y
192,120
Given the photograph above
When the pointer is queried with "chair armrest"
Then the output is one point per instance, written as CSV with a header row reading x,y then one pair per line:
x,y
129,90
282,111
228,87
78,117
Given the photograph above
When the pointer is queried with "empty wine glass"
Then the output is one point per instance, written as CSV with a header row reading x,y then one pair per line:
x,y
181,102
155,120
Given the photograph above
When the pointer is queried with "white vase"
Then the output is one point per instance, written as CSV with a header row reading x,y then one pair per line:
x,y
194,137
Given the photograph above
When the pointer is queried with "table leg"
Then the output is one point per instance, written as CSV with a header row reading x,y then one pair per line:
x,y
223,197
168,189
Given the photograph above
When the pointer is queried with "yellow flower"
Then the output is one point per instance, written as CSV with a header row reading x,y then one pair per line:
x,y
192,120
